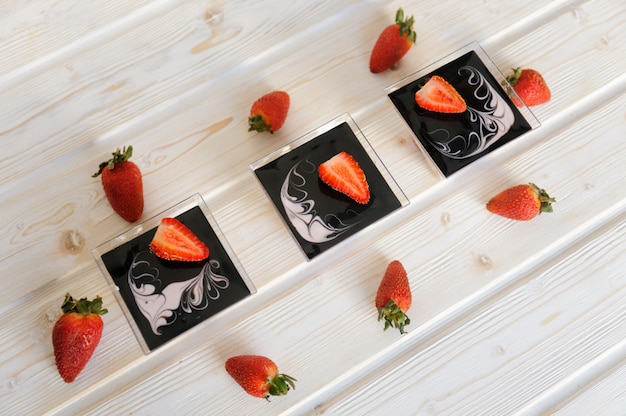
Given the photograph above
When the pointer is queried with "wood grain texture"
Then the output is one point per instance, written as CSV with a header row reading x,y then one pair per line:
x,y
508,317
605,396
489,364
33,30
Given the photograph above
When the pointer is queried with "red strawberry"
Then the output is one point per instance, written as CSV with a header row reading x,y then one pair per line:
x,y
76,335
259,376
529,86
174,241
521,202
122,184
393,298
343,174
269,112
438,95
392,44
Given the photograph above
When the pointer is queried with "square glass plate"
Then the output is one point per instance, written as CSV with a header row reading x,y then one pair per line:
x,y
162,299
453,141
318,216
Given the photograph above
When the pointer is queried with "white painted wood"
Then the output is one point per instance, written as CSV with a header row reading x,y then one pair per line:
x,y
508,317
502,359
604,397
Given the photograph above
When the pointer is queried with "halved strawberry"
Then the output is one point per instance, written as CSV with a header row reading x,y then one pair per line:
x,y
174,241
438,95
344,174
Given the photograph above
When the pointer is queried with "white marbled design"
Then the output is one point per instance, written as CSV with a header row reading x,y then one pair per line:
x,y
301,212
161,309
494,120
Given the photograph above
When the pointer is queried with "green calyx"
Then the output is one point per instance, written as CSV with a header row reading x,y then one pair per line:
x,y
512,79
280,385
258,124
406,26
545,199
393,316
83,306
118,157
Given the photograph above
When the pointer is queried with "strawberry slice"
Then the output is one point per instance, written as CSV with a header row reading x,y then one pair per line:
x,y
343,174
439,96
174,241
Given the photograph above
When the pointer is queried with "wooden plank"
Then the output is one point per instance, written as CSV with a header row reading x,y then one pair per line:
x,y
34,29
26,229
606,396
91,93
468,264
178,85
574,309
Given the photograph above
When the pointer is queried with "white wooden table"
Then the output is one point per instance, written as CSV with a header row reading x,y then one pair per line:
x,y
508,317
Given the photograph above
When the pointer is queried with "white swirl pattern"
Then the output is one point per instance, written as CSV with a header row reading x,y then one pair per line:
x,y
494,120
301,212
161,309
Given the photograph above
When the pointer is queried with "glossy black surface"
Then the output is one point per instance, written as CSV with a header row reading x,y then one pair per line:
x,y
132,265
434,130
332,207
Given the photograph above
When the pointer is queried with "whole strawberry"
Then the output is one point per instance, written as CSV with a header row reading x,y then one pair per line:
x,y
269,112
521,202
529,86
393,298
122,183
259,376
76,335
392,44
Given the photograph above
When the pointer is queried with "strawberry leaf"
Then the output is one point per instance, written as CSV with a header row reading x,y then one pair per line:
x,y
393,316
83,306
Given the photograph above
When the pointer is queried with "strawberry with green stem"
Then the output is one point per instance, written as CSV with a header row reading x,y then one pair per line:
x,y
269,112
393,298
529,86
392,44
122,183
76,335
521,202
259,376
